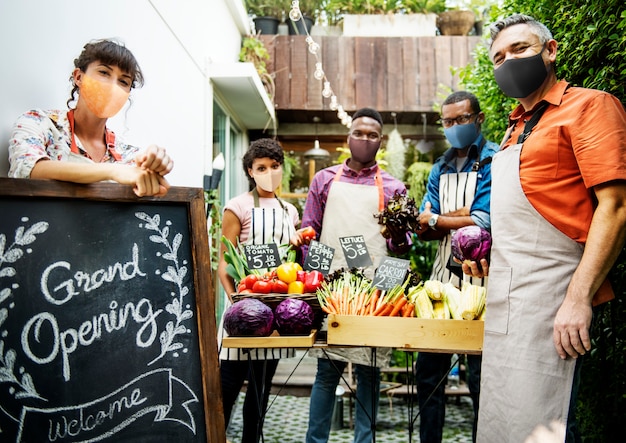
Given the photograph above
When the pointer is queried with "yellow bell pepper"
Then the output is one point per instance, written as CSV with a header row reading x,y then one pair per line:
x,y
288,272
296,287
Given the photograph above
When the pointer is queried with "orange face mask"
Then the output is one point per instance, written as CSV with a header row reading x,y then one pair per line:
x,y
104,99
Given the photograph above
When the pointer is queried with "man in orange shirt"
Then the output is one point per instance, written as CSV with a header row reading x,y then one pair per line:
x,y
558,213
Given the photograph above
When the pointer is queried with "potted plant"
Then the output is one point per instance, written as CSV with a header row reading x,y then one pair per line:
x,y
267,14
254,51
383,18
310,10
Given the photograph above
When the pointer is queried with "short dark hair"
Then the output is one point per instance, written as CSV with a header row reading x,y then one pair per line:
x,y
459,96
262,148
368,112
109,52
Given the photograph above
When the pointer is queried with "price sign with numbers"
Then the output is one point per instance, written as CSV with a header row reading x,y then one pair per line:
x,y
319,257
262,256
355,251
391,272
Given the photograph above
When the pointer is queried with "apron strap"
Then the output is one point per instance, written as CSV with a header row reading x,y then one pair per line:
x,y
530,124
109,140
378,181
255,196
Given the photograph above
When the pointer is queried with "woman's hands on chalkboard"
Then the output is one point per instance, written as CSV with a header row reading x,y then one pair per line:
x,y
155,158
152,164
145,182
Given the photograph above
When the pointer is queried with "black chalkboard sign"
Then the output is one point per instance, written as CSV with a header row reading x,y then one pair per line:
x,y
319,257
391,272
107,324
262,256
355,251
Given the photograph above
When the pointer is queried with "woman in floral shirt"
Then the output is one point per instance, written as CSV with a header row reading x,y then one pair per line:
x,y
77,141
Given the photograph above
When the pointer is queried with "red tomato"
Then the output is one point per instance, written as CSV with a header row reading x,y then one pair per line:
x,y
250,280
280,287
246,291
262,287
308,233
241,287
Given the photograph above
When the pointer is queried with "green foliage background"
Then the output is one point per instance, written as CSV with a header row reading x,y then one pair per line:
x,y
591,40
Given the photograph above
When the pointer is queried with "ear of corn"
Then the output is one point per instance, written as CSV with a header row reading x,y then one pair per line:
x,y
440,310
452,297
433,289
472,301
423,305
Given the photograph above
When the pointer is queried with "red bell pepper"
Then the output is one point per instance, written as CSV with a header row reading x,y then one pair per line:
x,y
313,281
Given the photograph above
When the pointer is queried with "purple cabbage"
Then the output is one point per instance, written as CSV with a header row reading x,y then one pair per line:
x,y
471,243
249,318
293,316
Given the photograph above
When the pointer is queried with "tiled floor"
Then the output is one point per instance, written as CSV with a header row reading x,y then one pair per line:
x,y
288,413
287,418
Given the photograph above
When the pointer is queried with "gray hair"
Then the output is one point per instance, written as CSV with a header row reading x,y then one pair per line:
x,y
537,28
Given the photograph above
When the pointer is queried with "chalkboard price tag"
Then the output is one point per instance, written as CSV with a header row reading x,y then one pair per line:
x,y
319,257
355,251
262,256
391,272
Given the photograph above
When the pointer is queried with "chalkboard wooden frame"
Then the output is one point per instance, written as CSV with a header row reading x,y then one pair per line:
x,y
193,200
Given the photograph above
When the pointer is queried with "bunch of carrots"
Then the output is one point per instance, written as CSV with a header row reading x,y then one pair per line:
x,y
354,295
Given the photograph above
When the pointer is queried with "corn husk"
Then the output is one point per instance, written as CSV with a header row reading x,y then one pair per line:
x,y
472,301
423,305
452,297
433,289
440,310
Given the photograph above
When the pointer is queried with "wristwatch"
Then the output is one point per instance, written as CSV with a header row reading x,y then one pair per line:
x,y
432,221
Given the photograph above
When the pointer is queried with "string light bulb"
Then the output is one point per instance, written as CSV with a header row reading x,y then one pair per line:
x,y
333,103
327,92
313,46
319,72
295,14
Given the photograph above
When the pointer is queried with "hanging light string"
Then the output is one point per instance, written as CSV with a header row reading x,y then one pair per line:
x,y
327,91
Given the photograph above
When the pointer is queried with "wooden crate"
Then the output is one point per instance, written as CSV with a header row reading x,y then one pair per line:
x,y
273,341
449,336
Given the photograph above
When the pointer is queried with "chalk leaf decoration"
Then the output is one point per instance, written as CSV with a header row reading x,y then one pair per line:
x,y
175,272
21,381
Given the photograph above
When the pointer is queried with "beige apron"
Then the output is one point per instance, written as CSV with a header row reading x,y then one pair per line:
x,y
523,382
457,190
269,225
349,211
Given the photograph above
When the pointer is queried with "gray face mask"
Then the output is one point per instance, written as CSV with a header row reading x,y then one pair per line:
x,y
520,77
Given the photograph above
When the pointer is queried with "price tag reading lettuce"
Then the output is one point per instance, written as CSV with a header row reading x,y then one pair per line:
x,y
390,273
262,256
355,251
319,257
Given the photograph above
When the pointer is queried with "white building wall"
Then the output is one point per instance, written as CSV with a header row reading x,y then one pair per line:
x,y
174,42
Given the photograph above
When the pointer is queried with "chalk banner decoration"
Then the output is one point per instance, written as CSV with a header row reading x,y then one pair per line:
x,y
355,251
391,272
319,257
101,295
262,256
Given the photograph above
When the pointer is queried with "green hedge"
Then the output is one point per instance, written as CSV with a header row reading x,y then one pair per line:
x,y
591,53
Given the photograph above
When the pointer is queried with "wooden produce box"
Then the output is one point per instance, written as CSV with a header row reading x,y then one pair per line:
x,y
448,336
273,341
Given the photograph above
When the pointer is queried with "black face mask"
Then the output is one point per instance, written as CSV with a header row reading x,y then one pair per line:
x,y
520,77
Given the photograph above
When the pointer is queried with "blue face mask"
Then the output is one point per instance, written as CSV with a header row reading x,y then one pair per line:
x,y
461,136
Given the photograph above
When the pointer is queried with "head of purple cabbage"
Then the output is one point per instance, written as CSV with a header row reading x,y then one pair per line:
x,y
470,243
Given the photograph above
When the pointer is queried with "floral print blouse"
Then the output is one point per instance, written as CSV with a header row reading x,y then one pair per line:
x,y
39,134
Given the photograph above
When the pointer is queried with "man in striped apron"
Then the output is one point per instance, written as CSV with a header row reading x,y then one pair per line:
x,y
457,195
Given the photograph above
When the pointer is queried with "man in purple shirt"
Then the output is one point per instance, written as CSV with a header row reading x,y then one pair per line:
x,y
342,201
